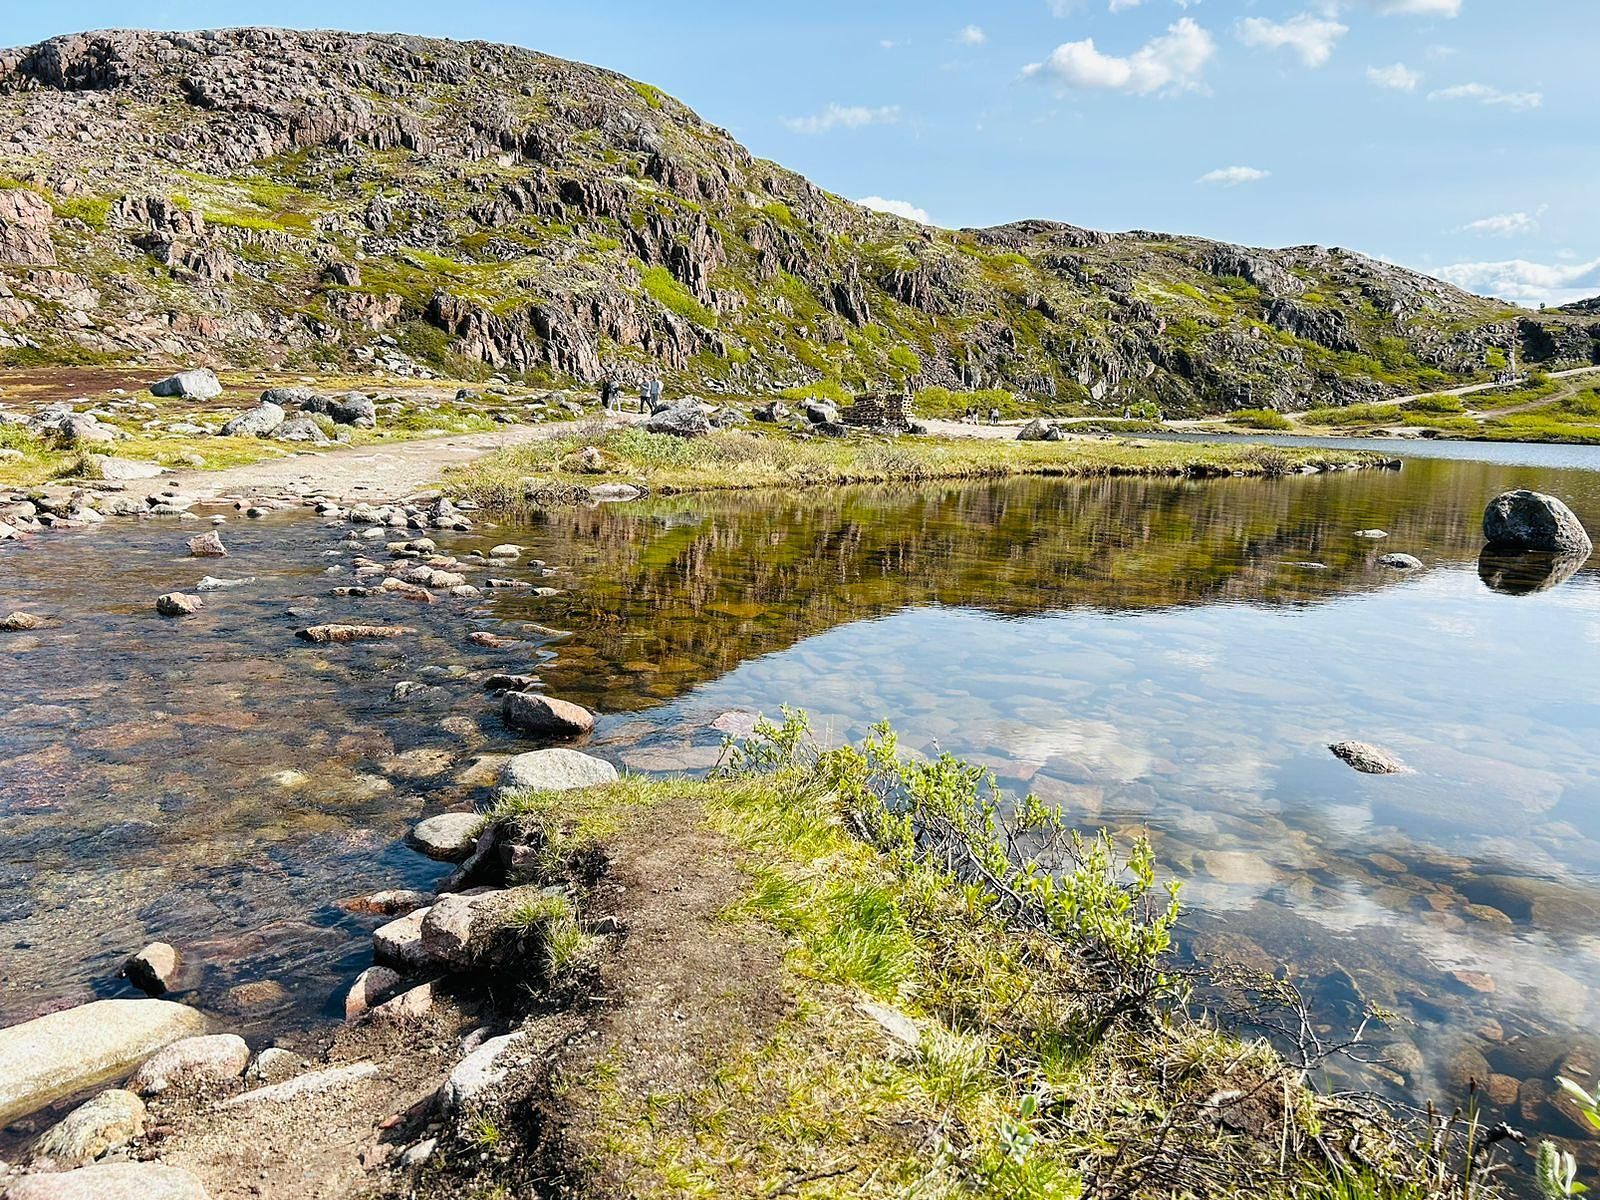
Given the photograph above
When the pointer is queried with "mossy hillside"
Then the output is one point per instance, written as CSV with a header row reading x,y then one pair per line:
x,y
663,247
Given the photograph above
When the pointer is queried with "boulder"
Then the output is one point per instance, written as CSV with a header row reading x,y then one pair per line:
x,y
111,1181
686,420
1400,562
112,1119
1039,430
211,1058
201,383
104,466
461,928
154,969
471,1078
555,770
1524,520
176,604
448,837
371,988
400,941
19,622
291,397
63,1053
545,716
207,545
1368,759
300,429
820,412
260,421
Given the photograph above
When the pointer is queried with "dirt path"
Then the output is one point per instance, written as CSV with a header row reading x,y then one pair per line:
x,y
372,472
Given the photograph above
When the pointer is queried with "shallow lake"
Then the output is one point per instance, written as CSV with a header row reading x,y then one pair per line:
x,y
1166,656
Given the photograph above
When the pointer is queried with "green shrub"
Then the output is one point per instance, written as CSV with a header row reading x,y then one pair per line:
x,y
1259,418
666,291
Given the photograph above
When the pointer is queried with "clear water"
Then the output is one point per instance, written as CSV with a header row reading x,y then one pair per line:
x,y
1163,656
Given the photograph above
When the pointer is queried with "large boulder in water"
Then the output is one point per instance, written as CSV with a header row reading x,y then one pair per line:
x,y
198,384
1524,520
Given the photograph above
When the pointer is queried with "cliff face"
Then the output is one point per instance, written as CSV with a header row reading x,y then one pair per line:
x,y
260,195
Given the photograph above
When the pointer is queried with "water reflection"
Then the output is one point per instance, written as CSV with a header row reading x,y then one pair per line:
x,y
1515,573
1171,656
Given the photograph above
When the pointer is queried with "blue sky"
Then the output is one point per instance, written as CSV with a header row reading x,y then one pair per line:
x,y
1457,136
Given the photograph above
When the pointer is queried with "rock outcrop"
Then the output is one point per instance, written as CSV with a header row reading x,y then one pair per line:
x,y
537,215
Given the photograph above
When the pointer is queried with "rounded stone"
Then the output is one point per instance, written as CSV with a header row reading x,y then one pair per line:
x,y
555,770
154,969
545,716
1525,520
448,837
113,1118
210,1058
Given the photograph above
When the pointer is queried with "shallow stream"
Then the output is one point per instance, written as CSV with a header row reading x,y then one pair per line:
x,y
1168,656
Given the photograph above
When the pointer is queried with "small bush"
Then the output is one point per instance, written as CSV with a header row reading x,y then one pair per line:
x,y
1259,418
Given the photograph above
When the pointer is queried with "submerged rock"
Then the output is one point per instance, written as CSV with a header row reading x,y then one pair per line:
x,y
545,716
1368,759
113,1118
19,622
212,583
339,634
1524,520
1400,562
63,1053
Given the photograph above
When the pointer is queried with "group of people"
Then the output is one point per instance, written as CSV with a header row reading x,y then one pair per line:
x,y
973,417
611,393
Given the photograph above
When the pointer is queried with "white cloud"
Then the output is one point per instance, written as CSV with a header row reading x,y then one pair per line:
x,y
972,35
1312,38
888,44
1119,5
1524,282
844,116
1063,8
1503,224
1399,77
1482,93
1173,62
1234,176
1418,8
900,208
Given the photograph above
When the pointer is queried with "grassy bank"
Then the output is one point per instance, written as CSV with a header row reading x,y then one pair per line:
x,y
755,458
949,1018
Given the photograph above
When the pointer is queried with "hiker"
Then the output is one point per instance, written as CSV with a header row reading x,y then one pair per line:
x,y
655,394
608,394
994,416
644,395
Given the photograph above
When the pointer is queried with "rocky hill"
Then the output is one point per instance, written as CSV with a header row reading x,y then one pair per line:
x,y
259,196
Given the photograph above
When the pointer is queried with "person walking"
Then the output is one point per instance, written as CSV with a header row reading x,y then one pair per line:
x,y
655,393
644,394
994,416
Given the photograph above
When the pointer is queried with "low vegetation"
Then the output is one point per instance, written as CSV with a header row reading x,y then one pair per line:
x,y
750,459
979,1001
